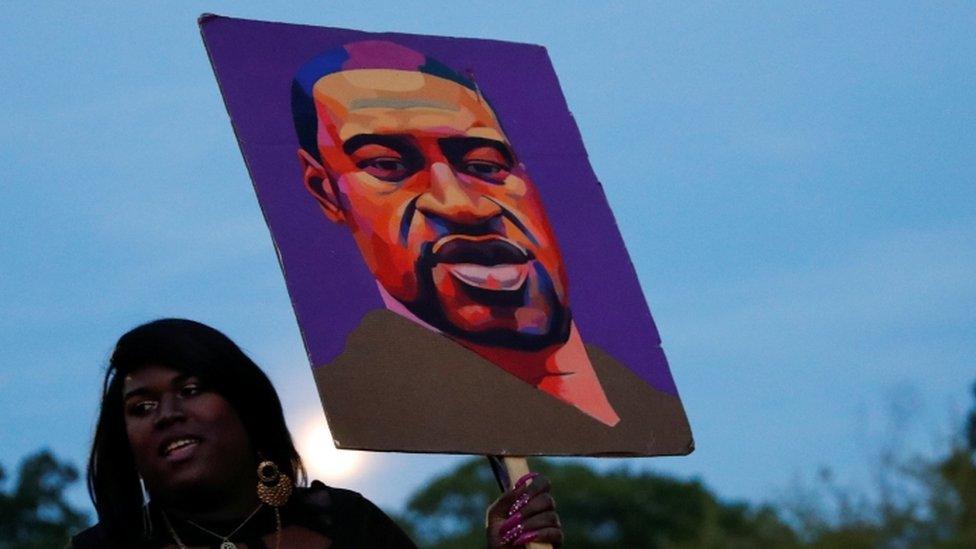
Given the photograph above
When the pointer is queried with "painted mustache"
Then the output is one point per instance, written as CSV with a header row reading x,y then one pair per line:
x,y
480,250
486,262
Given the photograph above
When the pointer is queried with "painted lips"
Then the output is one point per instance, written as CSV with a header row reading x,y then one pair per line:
x,y
505,277
487,262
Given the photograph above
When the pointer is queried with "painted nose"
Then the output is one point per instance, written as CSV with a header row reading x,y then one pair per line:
x,y
448,198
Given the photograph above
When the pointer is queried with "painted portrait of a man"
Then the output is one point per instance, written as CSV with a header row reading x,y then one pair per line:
x,y
476,347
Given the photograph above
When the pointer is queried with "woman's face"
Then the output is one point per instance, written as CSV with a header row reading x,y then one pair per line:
x,y
185,438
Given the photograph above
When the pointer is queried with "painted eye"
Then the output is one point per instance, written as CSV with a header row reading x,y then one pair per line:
x,y
385,168
483,169
486,163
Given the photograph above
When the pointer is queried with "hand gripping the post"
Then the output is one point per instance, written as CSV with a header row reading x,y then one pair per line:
x,y
525,514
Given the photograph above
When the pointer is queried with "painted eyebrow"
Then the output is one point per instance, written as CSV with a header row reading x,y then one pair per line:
x,y
139,391
456,147
395,142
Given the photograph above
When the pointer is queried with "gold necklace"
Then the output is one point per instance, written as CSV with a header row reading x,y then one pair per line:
x,y
226,543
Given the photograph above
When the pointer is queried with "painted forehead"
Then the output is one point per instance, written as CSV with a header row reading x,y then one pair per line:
x,y
383,100
365,89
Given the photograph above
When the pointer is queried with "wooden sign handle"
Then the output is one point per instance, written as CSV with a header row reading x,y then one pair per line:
x,y
516,467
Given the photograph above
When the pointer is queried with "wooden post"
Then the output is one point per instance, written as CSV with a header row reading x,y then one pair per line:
x,y
513,469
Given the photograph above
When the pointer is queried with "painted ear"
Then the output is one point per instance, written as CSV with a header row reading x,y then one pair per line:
x,y
319,185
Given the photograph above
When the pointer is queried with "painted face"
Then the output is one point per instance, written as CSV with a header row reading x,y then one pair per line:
x,y
185,438
444,214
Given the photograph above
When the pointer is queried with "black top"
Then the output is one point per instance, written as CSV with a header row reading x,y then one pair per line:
x,y
345,517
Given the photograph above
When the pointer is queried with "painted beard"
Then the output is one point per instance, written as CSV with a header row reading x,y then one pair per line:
x,y
494,273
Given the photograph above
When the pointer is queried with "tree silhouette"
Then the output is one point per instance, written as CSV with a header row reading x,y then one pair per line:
x,y
34,514
616,509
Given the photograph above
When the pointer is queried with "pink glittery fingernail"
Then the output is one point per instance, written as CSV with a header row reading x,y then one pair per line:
x,y
518,505
524,479
509,537
511,521
526,538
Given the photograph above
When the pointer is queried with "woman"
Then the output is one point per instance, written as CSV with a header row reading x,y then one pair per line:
x,y
191,450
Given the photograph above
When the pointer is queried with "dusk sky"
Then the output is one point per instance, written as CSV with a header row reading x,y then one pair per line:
x,y
796,186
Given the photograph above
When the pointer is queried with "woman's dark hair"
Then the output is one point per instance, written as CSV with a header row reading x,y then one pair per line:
x,y
199,350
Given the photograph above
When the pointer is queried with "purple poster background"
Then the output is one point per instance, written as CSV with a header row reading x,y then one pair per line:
x,y
329,284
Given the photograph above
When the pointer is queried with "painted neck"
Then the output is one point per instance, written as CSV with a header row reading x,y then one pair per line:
x,y
564,371
393,304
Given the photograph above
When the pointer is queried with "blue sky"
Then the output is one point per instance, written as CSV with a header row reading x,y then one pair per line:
x,y
796,185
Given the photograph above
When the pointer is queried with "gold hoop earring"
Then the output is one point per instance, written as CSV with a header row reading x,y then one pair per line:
x,y
274,487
